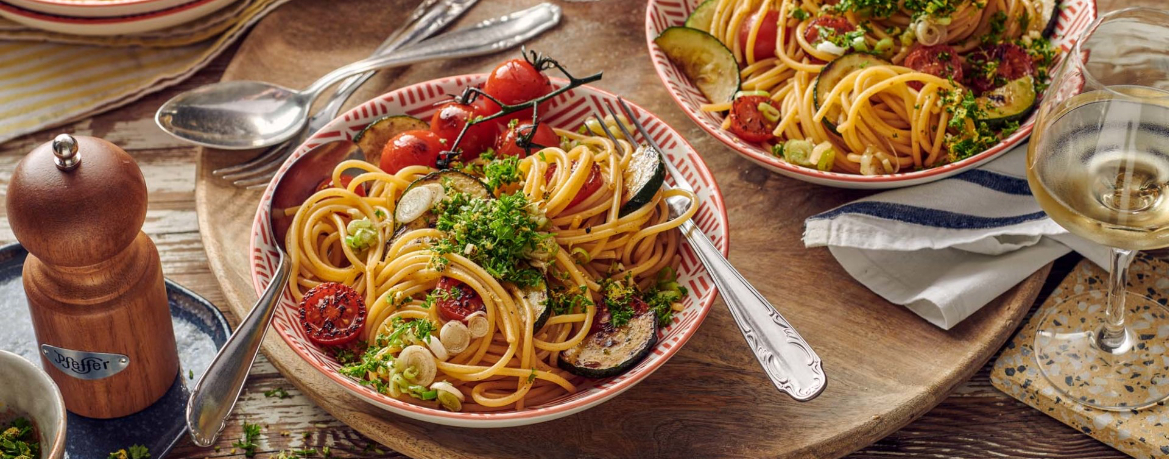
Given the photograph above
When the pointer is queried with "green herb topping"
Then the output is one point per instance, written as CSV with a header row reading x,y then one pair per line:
x,y
501,235
19,441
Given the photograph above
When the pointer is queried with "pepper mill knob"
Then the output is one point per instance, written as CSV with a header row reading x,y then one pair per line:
x,y
65,152
73,214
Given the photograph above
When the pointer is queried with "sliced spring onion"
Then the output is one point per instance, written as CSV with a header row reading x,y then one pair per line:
x,y
418,360
798,152
827,159
455,336
437,348
859,44
581,255
477,324
751,93
830,48
448,396
883,45
769,111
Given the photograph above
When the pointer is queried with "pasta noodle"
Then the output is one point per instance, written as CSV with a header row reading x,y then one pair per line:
x,y
886,117
514,364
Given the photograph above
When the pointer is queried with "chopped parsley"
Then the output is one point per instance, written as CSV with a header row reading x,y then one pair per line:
x,y
502,171
419,329
619,297
19,441
570,303
190,374
344,355
871,8
962,107
798,13
278,392
133,452
1042,55
502,235
662,297
998,24
248,442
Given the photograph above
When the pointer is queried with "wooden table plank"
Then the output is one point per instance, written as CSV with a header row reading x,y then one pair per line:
x,y
976,421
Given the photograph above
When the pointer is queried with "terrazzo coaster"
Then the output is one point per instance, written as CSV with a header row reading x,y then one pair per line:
x,y
1143,433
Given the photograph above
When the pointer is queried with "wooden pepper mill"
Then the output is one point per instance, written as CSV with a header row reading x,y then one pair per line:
x,y
93,278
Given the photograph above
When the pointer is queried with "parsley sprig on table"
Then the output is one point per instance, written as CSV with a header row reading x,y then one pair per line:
x,y
19,441
502,235
133,452
248,442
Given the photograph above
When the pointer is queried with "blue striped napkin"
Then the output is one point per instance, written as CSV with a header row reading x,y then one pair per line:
x,y
947,248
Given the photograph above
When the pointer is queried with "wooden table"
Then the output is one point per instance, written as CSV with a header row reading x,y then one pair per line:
x,y
975,421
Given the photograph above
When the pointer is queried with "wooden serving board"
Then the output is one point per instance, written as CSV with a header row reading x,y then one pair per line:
x,y
885,365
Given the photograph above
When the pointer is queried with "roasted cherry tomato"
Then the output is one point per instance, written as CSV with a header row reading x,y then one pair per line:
x,y
991,66
937,60
838,24
456,300
411,148
448,122
332,314
544,137
517,81
345,179
592,183
764,39
748,121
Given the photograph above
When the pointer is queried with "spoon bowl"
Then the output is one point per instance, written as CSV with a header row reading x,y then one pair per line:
x,y
235,115
240,115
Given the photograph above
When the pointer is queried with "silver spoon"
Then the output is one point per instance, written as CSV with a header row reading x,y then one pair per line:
x,y
217,391
238,115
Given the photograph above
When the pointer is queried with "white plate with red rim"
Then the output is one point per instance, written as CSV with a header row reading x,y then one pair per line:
x,y
96,8
117,25
568,111
1074,17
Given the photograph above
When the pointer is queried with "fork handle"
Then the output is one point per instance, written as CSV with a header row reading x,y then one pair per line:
x,y
430,17
787,359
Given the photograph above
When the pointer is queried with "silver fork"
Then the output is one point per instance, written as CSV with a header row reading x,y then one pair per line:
x,y
427,19
787,359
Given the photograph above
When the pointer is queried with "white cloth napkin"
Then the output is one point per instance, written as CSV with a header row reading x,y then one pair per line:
x,y
947,248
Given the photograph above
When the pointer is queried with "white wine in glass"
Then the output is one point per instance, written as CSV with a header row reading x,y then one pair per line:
x,y
1098,163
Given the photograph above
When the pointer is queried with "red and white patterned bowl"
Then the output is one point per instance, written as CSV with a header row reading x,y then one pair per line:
x,y
568,111
1074,17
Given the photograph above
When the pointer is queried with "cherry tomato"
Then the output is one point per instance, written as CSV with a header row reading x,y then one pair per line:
x,y
992,66
937,60
764,39
517,81
838,24
411,148
332,314
448,122
748,122
456,300
345,179
544,137
485,107
591,185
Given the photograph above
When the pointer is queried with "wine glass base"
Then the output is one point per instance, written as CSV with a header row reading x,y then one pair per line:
x,y
1134,376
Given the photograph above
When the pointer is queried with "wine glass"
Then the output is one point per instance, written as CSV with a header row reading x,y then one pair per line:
x,y
1098,163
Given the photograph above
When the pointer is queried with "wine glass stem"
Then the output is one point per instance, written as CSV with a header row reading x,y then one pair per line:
x,y
1112,336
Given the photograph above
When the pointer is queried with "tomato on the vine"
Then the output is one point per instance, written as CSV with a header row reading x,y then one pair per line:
x,y
448,122
411,148
507,145
517,81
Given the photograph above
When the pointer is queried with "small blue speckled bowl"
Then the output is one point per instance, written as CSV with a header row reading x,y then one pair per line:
x,y
30,393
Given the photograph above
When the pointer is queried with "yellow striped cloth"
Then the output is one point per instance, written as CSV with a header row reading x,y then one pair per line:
x,y
45,84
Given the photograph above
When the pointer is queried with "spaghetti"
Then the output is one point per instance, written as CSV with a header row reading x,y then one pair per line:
x,y
423,284
878,86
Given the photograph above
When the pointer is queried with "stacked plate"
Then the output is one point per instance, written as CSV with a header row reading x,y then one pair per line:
x,y
106,17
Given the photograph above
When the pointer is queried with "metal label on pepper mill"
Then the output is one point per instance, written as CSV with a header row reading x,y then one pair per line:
x,y
85,365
